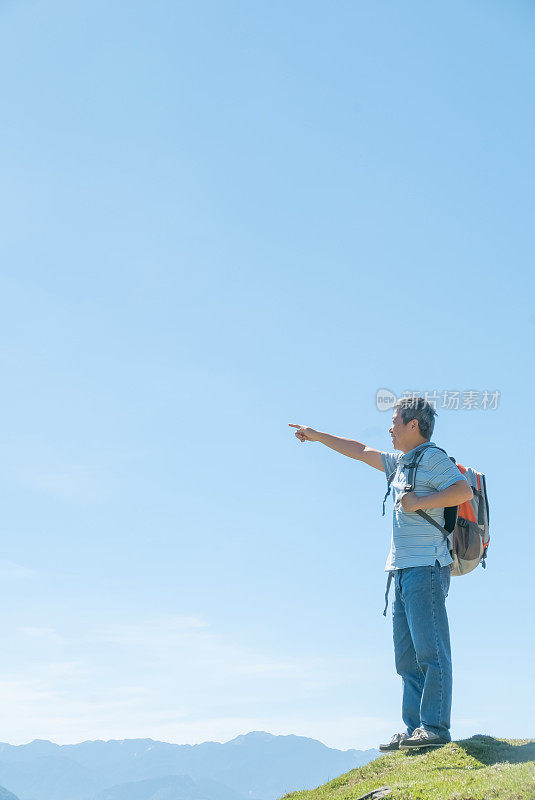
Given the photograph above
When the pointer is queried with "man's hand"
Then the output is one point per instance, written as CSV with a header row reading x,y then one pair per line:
x,y
348,447
410,501
305,434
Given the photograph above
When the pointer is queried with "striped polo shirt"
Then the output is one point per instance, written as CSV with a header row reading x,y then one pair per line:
x,y
415,542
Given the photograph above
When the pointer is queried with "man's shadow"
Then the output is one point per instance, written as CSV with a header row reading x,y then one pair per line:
x,y
488,750
493,751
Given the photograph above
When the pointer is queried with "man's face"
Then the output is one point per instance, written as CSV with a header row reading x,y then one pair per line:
x,y
399,431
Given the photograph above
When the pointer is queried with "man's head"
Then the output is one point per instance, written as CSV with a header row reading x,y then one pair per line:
x,y
412,423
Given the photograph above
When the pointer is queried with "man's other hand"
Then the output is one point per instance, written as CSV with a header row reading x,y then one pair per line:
x,y
410,501
304,434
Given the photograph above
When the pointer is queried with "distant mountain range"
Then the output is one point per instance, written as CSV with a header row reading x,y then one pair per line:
x,y
5,795
173,787
254,766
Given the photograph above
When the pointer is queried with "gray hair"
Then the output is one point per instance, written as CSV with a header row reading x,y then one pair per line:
x,y
420,409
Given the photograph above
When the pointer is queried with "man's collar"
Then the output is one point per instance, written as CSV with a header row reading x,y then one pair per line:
x,y
409,455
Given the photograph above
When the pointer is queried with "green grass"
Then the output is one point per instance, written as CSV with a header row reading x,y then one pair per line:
x,y
479,768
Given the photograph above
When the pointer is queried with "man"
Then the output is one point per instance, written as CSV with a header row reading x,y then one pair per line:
x,y
419,562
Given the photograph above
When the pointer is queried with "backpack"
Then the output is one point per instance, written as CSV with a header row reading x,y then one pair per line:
x,y
466,527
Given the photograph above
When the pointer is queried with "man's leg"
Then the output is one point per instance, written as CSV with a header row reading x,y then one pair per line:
x,y
424,594
405,656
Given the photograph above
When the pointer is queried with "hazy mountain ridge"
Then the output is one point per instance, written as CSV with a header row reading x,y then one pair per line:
x,y
171,787
257,765
5,795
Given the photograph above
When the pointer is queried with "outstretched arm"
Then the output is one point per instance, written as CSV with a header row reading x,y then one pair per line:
x,y
348,447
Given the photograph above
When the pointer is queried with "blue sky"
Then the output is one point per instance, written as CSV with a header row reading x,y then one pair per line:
x,y
219,218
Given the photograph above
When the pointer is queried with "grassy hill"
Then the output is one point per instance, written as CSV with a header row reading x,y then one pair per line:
x,y
479,768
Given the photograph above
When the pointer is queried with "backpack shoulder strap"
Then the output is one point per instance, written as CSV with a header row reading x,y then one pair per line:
x,y
414,464
389,480
432,521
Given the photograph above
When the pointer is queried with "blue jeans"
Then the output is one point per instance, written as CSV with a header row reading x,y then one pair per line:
x,y
422,647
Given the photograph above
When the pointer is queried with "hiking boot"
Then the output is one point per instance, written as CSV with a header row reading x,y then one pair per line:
x,y
394,742
422,738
